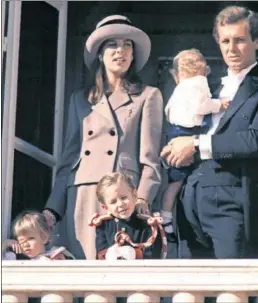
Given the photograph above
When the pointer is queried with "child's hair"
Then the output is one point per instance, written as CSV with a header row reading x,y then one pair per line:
x,y
190,63
31,221
111,179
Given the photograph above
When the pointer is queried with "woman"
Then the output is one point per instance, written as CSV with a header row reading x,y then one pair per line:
x,y
114,125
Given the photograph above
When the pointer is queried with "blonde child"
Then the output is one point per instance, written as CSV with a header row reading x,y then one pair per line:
x,y
122,233
32,235
187,113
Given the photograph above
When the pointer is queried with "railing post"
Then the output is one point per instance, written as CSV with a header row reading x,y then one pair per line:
x,y
232,297
99,298
187,297
14,297
139,297
58,297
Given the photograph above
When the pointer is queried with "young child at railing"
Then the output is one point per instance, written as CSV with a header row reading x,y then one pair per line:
x,y
32,237
121,233
187,113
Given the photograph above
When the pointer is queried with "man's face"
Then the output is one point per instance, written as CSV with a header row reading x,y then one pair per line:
x,y
236,45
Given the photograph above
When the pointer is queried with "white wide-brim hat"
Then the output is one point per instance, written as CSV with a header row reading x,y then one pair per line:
x,y
118,27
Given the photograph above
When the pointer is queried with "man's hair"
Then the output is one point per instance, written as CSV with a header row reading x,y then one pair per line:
x,y
234,14
31,222
111,179
189,62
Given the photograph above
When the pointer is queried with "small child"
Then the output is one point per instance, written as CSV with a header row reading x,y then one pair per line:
x,y
121,233
32,235
186,112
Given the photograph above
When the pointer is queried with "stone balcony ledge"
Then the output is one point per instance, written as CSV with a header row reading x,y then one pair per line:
x,y
139,275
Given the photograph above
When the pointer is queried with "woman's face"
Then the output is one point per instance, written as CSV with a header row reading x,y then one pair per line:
x,y
117,56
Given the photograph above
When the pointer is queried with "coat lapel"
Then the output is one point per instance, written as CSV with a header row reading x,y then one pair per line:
x,y
103,108
246,89
118,99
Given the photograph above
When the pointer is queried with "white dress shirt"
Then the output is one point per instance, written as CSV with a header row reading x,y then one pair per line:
x,y
190,101
231,84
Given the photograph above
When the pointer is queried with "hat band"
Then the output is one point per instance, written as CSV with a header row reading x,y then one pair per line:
x,y
116,22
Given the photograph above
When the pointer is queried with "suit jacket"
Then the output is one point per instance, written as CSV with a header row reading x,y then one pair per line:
x,y
137,229
122,133
235,152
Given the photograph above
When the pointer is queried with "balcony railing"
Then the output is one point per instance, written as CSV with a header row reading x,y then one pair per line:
x,y
184,280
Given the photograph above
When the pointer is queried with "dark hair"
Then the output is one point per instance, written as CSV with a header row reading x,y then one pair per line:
x,y
96,84
234,14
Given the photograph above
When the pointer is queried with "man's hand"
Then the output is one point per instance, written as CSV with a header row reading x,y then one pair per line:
x,y
142,207
179,151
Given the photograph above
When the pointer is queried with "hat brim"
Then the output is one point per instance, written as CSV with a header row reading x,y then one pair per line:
x,y
142,44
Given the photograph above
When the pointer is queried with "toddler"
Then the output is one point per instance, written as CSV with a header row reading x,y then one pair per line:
x,y
121,233
187,113
32,236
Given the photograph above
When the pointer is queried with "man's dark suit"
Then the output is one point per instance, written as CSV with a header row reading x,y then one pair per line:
x,y
220,198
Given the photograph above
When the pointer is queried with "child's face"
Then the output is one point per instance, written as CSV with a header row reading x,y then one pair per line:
x,y
31,244
119,200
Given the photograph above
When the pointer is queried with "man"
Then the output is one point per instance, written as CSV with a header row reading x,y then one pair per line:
x,y
220,197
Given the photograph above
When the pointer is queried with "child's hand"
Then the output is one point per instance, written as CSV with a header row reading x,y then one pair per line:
x,y
57,254
58,257
142,207
224,104
13,244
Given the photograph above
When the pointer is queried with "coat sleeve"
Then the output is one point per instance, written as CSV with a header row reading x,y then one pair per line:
x,y
201,104
240,145
71,150
150,145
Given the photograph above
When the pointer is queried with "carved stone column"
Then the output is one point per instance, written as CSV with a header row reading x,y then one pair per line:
x,y
14,297
60,297
99,298
232,297
187,297
143,298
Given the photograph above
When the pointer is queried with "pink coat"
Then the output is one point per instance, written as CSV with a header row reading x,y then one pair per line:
x,y
122,135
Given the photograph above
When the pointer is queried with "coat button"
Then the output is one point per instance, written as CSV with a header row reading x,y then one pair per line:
x,y
87,152
112,132
110,152
90,132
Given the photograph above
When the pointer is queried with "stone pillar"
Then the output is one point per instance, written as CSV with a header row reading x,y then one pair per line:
x,y
139,297
232,297
99,298
13,297
187,297
60,297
